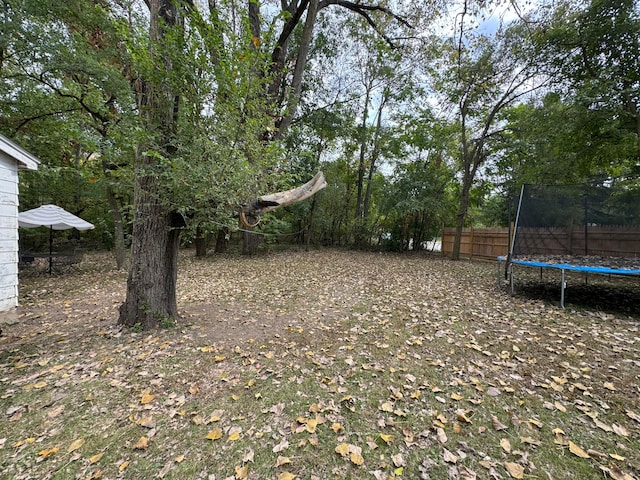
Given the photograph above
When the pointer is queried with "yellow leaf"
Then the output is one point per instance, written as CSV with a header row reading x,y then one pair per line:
x,y
514,469
577,451
609,386
180,458
195,388
233,436
337,428
311,425
219,358
282,461
96,458
356,458
214,434
123,466
534,422
286,476
342,449
387,407
456,397
398,471
506,445
147,398
142,443
76,445
242,472
48,452
615,456
386,438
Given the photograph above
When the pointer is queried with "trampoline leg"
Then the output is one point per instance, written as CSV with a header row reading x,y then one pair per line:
x,y
511,279
562,290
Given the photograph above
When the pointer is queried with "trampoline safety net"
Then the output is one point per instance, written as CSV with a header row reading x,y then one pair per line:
x,y
557,221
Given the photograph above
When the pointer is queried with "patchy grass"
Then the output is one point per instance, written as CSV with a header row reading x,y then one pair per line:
x,y
317,365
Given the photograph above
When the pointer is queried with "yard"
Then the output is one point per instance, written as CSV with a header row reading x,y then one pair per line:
x,y
317,365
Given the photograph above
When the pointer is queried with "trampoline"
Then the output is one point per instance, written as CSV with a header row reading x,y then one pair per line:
x,y
563,267
575,228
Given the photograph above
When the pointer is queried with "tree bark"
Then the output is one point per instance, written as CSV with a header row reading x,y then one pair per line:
x,y
221,240
151,286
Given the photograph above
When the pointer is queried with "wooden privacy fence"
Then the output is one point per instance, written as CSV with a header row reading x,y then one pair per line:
x,y
615,241
477,242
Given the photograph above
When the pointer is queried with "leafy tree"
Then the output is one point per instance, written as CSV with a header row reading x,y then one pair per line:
x,y
480,77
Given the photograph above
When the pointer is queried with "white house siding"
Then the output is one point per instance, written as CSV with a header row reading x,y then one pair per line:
x,y
8,232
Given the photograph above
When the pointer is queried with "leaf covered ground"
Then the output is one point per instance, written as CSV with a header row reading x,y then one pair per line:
x,y
317,365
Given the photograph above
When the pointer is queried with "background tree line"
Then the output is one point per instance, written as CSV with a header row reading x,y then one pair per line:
x,y
160,120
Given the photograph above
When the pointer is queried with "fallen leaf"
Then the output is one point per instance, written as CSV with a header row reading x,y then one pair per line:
x,y
356,458
242,472
48,452
449,457
96,458
286,476
577,451
214,434
388,439
342,449
142,443
75,445
146,398
514,469
506,445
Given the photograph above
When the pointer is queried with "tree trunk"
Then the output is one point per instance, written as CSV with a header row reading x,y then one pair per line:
x,y
221,240
201,243
151,286
467,182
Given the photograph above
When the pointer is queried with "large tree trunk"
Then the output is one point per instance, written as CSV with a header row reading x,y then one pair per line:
x,y
151,286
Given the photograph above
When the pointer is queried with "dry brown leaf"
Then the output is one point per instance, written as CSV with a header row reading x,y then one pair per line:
x,y
242,472
449,457
497,425
615,473
620,430
633,415
514,469
506,445
142,443
577,451
286,476
282,461
398,460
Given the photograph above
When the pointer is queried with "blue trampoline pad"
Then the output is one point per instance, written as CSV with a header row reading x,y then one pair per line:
x,y
576,268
